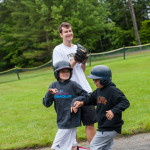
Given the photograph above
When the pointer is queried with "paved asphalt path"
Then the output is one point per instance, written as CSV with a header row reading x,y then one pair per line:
x,y
134,142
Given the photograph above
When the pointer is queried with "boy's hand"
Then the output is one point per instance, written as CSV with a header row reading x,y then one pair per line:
x,y
73,109
53,91
109,114
78,104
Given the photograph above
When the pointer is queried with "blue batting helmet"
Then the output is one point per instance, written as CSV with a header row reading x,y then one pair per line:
x,y
101,72
61,65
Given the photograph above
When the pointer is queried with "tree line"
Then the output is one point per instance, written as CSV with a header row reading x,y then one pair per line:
x,y
29,28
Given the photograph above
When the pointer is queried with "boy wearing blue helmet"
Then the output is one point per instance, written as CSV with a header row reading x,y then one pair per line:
x,y
110,102
62,92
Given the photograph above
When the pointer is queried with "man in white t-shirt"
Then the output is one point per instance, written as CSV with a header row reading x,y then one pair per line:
x,y
66,51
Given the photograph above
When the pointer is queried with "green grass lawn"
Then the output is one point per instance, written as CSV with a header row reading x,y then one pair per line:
x,y
25,122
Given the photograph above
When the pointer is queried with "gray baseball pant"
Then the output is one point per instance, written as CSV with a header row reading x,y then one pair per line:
x,y
103,140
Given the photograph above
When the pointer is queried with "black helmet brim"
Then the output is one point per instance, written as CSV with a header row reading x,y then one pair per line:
x,y
63,68
93,77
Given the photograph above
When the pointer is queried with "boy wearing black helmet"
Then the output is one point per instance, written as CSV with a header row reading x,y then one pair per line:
x,y
110,102
62,92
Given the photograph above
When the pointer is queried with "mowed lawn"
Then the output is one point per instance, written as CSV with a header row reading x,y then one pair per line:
x,y
25,122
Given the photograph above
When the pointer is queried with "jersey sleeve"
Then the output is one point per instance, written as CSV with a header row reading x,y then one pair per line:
x,y
120,101
48,99
81,94
91,99
87,98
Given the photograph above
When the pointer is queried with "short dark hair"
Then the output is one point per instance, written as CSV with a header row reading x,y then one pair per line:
x,y
64,24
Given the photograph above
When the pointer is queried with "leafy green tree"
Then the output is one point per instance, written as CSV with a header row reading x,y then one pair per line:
x,y
88,18
7,47
29,29
142,9
145,32
120,14
29,32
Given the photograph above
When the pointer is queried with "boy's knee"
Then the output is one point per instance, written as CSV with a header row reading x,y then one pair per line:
x,y
90,126
74,148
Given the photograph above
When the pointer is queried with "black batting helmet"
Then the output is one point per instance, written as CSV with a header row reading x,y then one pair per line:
x,y
101,72
61,65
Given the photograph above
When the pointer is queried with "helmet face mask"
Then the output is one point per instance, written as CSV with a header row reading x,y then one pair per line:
x,y
60,66
101,72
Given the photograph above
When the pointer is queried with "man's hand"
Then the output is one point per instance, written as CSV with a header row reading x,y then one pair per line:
x,y
73,62
53,91
109,114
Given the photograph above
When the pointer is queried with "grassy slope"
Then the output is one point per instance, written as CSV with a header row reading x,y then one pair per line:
x,y
25,122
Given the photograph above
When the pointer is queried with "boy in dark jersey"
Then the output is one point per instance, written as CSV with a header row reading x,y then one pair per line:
x,y
62,92
110,102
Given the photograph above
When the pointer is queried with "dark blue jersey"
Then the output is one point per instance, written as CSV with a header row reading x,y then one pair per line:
x,y
108,98
67,91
